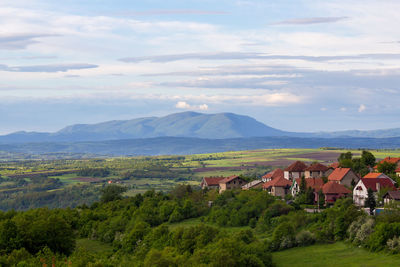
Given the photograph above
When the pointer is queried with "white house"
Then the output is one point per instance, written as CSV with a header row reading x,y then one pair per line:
x,y
360,191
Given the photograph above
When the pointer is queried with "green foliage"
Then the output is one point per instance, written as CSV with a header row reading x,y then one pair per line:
x,y
370,202
386,167
367,158
112,192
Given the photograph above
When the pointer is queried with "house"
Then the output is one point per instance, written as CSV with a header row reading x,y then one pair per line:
x,y
390,160
278,187
253,185
294,170
272,175
211,182
391,196
398,171
360,191
378,175
315,183
316,170
231,182
344,176
331,168
333,190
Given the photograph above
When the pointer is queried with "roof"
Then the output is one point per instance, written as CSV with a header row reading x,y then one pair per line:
x,y
334,165
397,170
334,188
383,182
390,160
374,175
393,195
278,182
297,166
210,181
252,184
317,167
338,174
273,174
228,179
314,183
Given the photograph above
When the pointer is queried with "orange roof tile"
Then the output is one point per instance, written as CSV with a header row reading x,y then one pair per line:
x,y
228,179
338,174
383,182
373,175
297,166
334,165
314,183
273,174
334,188
317,167
278,182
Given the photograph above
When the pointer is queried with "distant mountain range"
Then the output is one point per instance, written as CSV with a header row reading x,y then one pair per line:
x,y
186,124
185,133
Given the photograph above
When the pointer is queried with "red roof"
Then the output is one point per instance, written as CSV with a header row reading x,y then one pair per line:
x,y
273,174
210,181
397,170
338,174
390,160
314,183
278,182
334,188
373,175
334,165
383,182
228,179
317,167
297,166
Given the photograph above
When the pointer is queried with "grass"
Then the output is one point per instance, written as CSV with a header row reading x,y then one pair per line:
x,y
333,255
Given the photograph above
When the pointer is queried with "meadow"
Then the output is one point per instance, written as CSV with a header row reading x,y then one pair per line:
x,y
332,255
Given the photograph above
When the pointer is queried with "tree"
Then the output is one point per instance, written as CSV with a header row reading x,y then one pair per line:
x,y
387,167
367,158
112,192
348,155
303,185
371,202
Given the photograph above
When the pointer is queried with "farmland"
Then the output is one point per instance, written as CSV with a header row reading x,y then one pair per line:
x,y
46,178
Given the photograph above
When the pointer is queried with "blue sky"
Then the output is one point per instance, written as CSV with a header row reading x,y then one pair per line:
x,y
294,65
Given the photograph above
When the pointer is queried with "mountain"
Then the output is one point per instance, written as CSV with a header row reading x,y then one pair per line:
x,y
186,124
185,145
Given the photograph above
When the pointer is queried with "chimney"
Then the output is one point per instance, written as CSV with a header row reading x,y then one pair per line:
x,y
378,187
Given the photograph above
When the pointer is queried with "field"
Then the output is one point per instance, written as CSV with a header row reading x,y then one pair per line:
x,y
140,174
333,255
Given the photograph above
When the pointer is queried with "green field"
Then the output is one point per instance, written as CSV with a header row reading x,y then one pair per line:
x,y
333,255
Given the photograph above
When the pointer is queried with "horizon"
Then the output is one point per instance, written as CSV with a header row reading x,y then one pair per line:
x,y
308,66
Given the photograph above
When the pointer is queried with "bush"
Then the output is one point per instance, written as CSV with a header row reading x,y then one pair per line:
x,y
394,245
305,238
283,237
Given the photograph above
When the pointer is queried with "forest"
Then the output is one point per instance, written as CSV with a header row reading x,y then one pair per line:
x,y
240,228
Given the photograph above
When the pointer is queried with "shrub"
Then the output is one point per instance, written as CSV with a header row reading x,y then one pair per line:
x,y
305,238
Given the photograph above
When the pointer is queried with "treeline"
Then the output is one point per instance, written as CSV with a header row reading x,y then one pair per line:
x,y
144,230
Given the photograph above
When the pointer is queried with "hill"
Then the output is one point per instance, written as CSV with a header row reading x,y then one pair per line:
x,y
186,124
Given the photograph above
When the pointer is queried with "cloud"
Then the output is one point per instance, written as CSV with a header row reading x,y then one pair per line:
x,y
185,105
172,12
362,108
343,109
314,20
48,68
253,55
20,41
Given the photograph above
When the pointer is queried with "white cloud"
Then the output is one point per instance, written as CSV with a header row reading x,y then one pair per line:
x,y
185,105
343,109
362,108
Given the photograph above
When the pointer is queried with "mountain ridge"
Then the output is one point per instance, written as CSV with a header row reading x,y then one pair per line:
x,y
185,124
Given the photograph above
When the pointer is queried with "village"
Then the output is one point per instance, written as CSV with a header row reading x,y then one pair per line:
x,y
321,184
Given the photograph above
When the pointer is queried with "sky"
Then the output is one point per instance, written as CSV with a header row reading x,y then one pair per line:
x,y
306,65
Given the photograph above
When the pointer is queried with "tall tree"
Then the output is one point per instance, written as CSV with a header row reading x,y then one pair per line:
x,y
367,158
387,167
370,202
